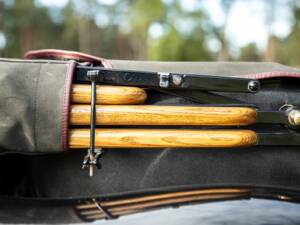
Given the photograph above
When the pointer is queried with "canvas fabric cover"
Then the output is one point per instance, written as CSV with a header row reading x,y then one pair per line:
x,y
34,96
133,171
128,171
33,99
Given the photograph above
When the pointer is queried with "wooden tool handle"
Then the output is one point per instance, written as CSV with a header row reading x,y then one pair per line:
x,y
164,115
135,204
170,195
141,138
108,95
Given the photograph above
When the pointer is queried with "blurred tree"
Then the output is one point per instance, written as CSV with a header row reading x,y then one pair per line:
x,y
141,14
223,54
249,53
288,52
1,28
272,41
183,38
271,51
124,29
69,36
24,30
172,46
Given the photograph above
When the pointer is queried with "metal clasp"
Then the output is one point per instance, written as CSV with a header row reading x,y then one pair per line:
x,y
92,75
164,79
91,159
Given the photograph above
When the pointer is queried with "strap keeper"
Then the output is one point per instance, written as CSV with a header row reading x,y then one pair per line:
x,y
92,157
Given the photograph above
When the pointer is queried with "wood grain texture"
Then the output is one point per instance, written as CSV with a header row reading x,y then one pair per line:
x,y
163,115
136,204
108,95
162,138
143,199
122,210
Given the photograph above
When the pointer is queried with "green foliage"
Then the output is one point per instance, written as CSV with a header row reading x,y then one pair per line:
x,y
143,12
122,30
289,49
172,46
23,29
249,53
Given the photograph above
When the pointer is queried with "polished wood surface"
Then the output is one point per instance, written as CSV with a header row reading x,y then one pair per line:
x,y
100,215
163,115
162,138
136,204
153,197
139,207
108,95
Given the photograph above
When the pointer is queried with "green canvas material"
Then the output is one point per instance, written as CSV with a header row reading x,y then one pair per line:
x,y
34,102
33,95
207,68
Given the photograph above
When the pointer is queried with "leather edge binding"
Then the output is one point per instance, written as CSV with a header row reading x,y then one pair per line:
x,y
66,105
273,74
63,55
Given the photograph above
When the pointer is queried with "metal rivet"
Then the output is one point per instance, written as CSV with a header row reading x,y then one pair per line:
x,y
294,117
253,86
177,80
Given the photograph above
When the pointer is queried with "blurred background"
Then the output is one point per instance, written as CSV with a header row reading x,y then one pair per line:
x,y
189,30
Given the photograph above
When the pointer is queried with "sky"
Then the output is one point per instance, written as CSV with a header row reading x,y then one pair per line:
x,y
247,21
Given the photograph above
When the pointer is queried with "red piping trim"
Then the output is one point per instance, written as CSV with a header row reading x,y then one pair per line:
x,y
66,105
274,74
106,63
62,54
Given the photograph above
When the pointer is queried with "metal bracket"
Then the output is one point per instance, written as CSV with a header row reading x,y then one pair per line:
x,y
164,79
167,80
92,157
93,75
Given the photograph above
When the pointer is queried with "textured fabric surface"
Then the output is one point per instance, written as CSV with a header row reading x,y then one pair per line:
x,y
20,211
208,68
132,171
32,98
138,170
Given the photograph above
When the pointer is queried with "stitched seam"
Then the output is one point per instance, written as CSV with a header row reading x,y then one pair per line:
x,y
61,53
273,74
106,63
65,113
35,110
